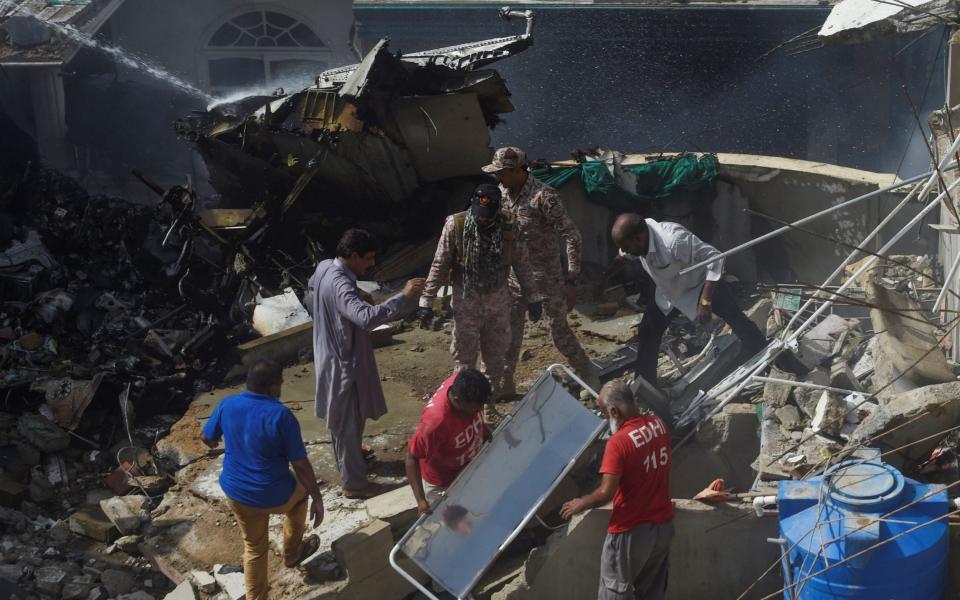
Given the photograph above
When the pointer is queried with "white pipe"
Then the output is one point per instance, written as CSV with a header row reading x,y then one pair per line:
x,y
760,502
946,283
804,384
807,219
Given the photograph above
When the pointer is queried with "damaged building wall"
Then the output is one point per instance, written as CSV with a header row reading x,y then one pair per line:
x,y
568,565
782,188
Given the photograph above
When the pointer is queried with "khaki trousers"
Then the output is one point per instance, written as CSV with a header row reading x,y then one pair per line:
x,y
254,523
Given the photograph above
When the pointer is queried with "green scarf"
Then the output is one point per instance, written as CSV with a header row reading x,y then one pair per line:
x,y
482,250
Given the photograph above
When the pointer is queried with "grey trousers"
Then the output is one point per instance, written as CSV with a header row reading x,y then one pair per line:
x,y
347,442
633,565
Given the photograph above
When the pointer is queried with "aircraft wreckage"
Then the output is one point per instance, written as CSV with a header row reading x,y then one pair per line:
x,y
363,138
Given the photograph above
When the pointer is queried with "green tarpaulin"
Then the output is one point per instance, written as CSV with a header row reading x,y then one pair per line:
x,y
671,178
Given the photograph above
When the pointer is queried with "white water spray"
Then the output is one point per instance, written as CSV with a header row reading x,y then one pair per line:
x,y
120,55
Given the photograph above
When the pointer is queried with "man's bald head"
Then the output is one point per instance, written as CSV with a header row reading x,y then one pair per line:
x,y
629,233
617,401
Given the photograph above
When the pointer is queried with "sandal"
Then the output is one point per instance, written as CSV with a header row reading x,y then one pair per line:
x,y
374,489
308,546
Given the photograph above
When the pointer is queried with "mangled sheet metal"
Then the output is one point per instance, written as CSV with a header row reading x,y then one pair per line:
x,y
856,21
488,504
364,136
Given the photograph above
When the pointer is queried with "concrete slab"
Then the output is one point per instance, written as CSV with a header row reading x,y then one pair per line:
x,y
618,329
907,354
940,403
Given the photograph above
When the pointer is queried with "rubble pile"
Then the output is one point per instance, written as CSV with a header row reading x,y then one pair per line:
x,y
103,343
883,389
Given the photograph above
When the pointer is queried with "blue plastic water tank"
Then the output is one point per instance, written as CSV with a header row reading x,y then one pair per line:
x,y
829,518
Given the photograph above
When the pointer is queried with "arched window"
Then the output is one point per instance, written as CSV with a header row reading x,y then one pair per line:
x,y
263,48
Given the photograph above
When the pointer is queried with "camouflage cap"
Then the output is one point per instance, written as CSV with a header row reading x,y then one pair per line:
x,y
508,157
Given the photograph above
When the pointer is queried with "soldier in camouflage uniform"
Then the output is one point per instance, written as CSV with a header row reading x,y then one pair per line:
x,y
476,252
543,222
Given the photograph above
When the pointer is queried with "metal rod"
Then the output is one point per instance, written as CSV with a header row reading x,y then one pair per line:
x,y
807,219
804,384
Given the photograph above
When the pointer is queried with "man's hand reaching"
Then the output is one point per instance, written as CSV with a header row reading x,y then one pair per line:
x,y
413,287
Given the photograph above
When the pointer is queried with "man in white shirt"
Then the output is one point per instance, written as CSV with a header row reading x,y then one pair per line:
x,y
665,249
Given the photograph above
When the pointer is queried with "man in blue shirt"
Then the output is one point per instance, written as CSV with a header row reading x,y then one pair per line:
x,y
261,437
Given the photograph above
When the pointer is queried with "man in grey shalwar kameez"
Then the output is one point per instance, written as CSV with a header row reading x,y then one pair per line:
x,y
348,385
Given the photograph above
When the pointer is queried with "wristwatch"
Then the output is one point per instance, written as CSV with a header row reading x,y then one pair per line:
x,y
705,302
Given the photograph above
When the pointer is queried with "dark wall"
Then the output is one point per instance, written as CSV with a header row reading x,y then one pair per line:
x,y
651,79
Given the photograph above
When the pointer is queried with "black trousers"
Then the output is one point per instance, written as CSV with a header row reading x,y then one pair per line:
x,y
654,323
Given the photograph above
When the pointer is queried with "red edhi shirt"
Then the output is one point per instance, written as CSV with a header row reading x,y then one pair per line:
x,y
445,441
640,453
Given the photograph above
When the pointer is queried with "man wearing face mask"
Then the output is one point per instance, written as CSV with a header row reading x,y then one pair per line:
x,y
635,474
348,385
477,250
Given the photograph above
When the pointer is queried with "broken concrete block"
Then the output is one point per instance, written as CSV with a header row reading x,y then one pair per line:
x,y
44,434
891,418
830,415
776,395
760,312
230,580
124,512
182,445
724,446
866,364
74,591
78,588
11,492
818,343
97,593
184,591
50,580
789,417
204,581
92,523
842,377
11,573
902,355
118,582
774,443
363,553
386,584
397,507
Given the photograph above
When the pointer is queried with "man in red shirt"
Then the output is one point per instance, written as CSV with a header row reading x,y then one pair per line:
x,y
450,435
635,474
